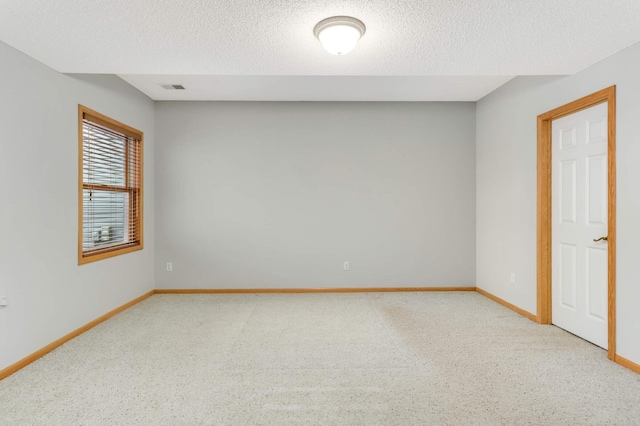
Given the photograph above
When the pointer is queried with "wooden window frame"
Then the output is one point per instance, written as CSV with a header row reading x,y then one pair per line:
x,y
109,123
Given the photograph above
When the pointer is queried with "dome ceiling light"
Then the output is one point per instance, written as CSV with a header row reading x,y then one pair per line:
x,y
339,34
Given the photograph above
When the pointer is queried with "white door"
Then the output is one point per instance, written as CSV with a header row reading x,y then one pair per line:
x,y
580,209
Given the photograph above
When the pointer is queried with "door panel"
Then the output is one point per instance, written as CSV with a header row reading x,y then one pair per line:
x,y
567,275
568,191
579,200
596,283
597,190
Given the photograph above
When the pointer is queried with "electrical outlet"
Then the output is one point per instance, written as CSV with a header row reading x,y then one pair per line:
x,y
513,278
3,302
169,267
347,266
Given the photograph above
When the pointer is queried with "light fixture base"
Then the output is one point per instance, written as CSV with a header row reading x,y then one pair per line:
x,y
339,20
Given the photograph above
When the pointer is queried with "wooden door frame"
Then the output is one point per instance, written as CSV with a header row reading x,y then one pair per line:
x,y
545,209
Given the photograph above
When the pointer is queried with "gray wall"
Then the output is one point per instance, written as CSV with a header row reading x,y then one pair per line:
x,y
281,194
49,294
506,184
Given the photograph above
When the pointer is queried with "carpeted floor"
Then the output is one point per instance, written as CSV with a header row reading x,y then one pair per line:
x,y
322,359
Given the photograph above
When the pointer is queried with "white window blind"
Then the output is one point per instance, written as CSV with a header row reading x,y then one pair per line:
x,y
111,188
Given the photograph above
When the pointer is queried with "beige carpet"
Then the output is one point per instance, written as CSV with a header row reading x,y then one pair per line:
x,y
322,359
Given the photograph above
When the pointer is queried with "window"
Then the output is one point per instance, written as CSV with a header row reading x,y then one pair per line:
x,y
110,187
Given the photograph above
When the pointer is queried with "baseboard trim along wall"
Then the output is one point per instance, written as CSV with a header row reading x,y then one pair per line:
x,y
308,290
61,341
617,358
506,304
64,339
627,364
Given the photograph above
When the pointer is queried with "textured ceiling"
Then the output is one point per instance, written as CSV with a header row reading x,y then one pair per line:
x,y
275,37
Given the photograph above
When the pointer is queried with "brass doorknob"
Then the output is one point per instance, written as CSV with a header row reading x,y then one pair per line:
x,y
601,239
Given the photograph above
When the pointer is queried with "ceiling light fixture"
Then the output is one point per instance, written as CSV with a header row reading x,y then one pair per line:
x,y
339,34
